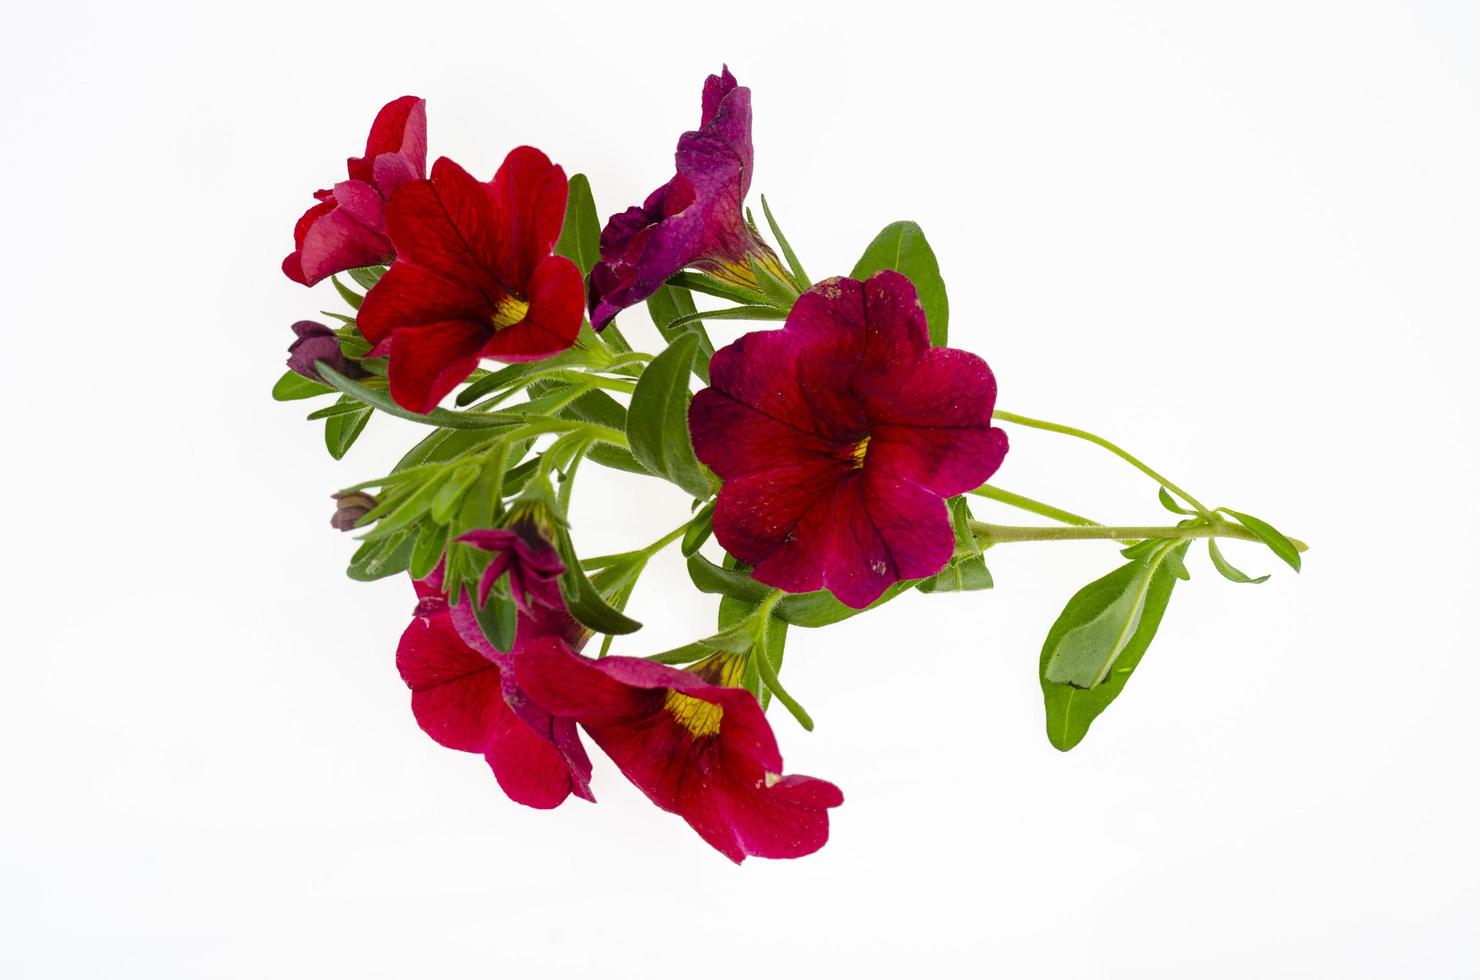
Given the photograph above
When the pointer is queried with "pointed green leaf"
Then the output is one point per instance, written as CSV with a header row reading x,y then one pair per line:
x,y
1069,709
733,582
583,599
903,248
658,419
791,257
1171,504
1277,542
580,237
293,386
341,431
1226,569
351,297
670,304
367,276
699,530
783,295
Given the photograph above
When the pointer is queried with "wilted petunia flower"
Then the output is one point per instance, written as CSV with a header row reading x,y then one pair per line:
x,y
346,229
693,221
525,551
464,696
839,437
473,276
696,747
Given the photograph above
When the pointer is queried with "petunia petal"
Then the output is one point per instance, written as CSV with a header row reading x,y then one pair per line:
x,y
528,200
456,694
413,296
736,440
428,362
778,520
447,224
553,320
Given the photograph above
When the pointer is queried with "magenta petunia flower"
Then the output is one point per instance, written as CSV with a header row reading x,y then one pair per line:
x,y
839,437
524,550
695,747
346,229
693,221
464,696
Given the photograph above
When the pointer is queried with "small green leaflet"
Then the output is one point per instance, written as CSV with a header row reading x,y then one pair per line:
x,y
382,558
351,297
586,604
1166,501
658,418
786,250
581,235
903,248
367,276
1282,546
671,303
1070,709
341,430
293,386
1227,570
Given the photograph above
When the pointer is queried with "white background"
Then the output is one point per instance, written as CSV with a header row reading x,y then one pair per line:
x,y
1239,238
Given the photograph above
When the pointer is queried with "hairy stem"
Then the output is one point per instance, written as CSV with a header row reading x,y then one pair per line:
x,y
1007,534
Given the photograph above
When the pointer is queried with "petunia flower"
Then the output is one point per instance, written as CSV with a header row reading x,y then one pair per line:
x,y
525,551
693,221
696,747
317,342
464,696
473,276
346,229
839,437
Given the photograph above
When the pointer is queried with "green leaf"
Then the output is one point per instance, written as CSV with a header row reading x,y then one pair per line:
x,y
699,530
580,237
292,387
791,257
1141,548
498,618
367,276
671,303
1227,570
1169,503
341,431
1070,710
586,604
658,420
382,558
445,503
1097,624
351,297
733,582
698,282
439,417
1282,546
431,542
821,608
903,248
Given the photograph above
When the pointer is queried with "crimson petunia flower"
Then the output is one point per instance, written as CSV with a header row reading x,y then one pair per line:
x,y
695,220
346,229
696,748
473,276
839,437
464,696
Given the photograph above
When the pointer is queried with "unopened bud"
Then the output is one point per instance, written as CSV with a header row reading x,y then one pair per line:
x,y
352,506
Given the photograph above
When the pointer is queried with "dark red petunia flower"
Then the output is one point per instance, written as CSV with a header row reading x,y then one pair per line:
x,y
695,747
464,696
524,550
346,229
693,221
473,276
839,437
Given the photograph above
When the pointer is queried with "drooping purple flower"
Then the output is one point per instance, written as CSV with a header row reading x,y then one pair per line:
x,y
839,437
695,220
317,342
524,550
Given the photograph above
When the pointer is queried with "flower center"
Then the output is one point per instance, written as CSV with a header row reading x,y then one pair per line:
x,y
508,312
858,452
700,717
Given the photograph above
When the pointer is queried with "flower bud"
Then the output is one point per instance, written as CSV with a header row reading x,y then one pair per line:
x,y
317,342
352,506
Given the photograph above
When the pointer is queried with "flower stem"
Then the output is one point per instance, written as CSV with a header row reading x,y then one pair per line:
x,y
1029,504
666,539
1007,534
1103,443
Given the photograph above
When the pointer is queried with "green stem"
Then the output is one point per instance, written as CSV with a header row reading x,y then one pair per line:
x,y
1103,443
1029,504
1007,534
767,669
666,539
